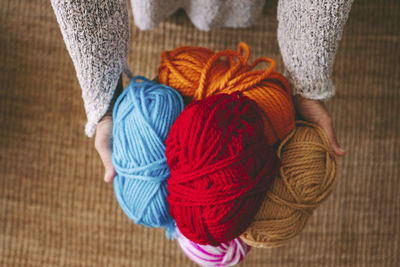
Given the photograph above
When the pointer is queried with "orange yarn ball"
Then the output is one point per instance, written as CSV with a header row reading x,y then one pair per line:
x,y
198,73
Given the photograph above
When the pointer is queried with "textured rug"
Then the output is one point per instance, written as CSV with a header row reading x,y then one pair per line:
x,y
55,209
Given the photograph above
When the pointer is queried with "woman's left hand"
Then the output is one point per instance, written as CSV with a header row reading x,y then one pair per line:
x,y
314,111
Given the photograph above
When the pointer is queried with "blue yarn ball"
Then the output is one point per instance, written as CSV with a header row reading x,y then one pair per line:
x,y
143,115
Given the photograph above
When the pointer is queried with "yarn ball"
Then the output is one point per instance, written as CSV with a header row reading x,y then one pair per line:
x,y
306,178
221,167
198,73
226,254
143,115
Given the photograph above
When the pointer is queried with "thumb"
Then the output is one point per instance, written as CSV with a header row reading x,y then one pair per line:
x,y
103,147
109,172
327,126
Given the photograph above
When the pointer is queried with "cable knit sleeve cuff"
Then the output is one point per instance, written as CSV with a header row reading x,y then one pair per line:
x,y
97,108
90,128
319,90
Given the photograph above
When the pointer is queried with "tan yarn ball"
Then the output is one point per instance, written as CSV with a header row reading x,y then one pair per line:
x,y
306,178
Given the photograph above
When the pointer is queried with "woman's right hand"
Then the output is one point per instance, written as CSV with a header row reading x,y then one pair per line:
x,y
103,140
103,143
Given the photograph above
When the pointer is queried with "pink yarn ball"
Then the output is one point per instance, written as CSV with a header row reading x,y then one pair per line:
x,y
226,254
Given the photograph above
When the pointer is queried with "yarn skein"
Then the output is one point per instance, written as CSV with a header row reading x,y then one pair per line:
x,y
226,254
198,73
143,115
221,167
306,178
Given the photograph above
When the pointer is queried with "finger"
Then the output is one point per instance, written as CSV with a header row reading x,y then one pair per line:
x,y
327,126
103,147
105,154
109,175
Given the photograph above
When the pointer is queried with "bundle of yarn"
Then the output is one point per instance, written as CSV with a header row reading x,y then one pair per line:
x,y
221,167
208,170
198,73
143,115
306,178
226,254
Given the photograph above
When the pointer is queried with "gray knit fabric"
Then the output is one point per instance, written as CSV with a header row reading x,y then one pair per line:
x,y
309,32
96,34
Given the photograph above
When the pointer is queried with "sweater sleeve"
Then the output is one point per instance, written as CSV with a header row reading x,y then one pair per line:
x,y
96,34
309,32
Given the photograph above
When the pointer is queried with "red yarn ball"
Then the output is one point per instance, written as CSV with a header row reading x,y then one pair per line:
x,y
221,166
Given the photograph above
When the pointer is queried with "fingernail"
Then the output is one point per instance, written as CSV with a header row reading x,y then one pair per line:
x,y
107,176
341,152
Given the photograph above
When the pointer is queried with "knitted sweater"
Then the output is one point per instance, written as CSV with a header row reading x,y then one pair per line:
x,y
96,34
